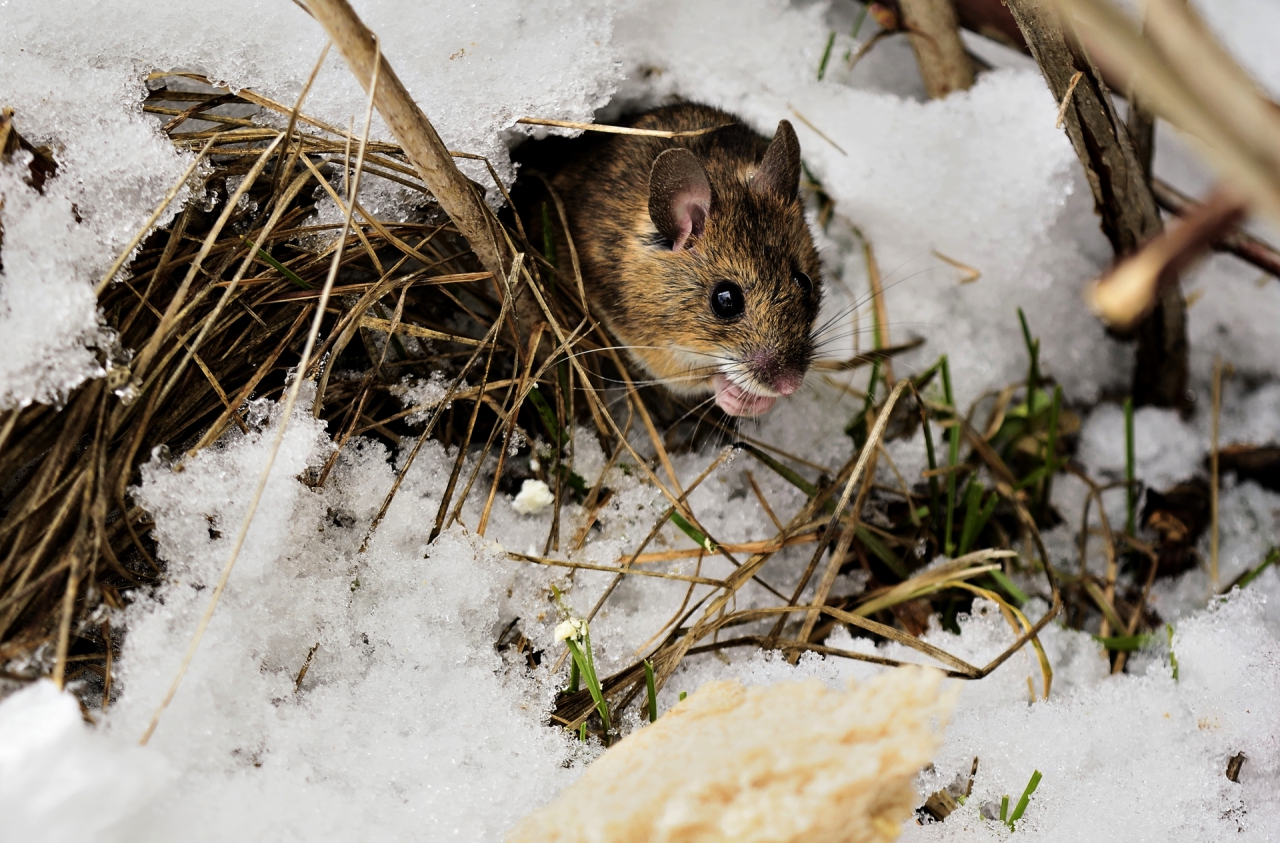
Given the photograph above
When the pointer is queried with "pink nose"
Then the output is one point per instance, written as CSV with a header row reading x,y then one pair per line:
x,y
787,384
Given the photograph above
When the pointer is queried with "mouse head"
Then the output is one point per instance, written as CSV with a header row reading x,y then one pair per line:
x,y
741,271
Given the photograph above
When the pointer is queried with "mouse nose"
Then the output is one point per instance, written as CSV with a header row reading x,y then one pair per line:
x,y
776,374
787,383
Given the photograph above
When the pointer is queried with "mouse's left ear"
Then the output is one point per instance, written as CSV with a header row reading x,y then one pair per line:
x,y
679,197
779,172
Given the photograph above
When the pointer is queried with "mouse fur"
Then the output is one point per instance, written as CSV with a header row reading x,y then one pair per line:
x,y
664,226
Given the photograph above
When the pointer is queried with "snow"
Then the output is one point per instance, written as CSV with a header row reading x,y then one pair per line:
x,y
408,723
99,782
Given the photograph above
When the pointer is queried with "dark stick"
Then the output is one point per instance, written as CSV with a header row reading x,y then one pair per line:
x,y
1121,194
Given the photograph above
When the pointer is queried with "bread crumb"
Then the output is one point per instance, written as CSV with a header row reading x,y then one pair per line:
x,y
534,497
787,762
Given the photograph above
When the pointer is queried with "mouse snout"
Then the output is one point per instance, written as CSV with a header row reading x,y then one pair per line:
x,y
776,373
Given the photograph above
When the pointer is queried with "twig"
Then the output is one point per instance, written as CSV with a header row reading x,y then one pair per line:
x,y
934,34
1236,240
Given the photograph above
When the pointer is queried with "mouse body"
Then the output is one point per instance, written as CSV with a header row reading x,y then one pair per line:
x,y
696,253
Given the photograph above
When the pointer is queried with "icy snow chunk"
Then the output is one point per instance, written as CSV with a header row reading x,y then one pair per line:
x,y
113,170
408,723
199,510
48,314
62,781
421,394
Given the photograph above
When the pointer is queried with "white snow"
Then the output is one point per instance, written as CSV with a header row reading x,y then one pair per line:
x,y
408,723
60,780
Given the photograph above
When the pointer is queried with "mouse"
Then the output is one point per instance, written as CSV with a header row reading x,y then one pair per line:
x,y
696,255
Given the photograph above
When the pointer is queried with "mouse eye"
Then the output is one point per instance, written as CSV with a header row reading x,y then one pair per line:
x,y
727,300
802,281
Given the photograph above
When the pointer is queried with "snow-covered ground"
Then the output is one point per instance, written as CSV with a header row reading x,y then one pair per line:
x,y
409,725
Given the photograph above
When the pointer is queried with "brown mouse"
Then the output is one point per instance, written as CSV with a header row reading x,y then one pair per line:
x,y
696,254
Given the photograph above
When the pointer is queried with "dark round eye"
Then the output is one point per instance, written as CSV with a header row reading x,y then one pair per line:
x,y
727,300
802,281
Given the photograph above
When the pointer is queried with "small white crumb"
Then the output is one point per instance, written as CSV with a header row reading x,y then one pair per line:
x,y
572,629
534,497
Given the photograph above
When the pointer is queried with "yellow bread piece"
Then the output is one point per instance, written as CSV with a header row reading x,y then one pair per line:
x,y
788,762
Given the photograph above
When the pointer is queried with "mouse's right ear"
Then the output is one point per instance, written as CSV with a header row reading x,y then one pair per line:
x,y
679,197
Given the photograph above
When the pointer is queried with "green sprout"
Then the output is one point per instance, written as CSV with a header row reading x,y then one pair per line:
x,y
693,532
1018,810
953,457
1272,558
651,687
576,635
826,55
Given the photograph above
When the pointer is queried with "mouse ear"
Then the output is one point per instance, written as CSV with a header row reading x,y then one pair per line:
x,y
679,196
779,172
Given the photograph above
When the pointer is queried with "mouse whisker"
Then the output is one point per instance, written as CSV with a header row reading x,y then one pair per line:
x,y
696,408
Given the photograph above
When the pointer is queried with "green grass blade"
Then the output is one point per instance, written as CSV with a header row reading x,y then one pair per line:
x,y
1271,559
972,512
791,476
581,656
547,415
859,20
1124,643
873,544
277,266
934,495
826,55
652,690
1026,798
1033,352
693,532
1007,586
953,457
1031,479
